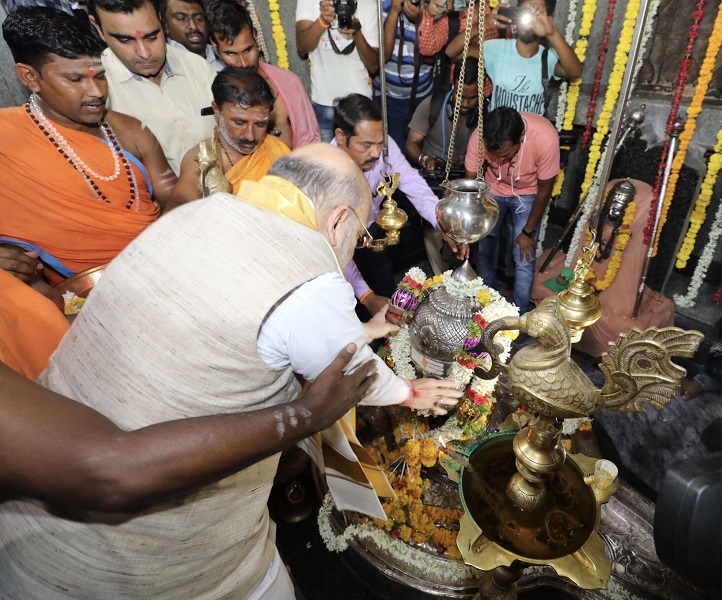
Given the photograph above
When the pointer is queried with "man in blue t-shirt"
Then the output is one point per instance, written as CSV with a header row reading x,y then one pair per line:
x,y
515,65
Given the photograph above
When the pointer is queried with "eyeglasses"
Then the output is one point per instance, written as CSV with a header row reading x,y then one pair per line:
x,y
365,239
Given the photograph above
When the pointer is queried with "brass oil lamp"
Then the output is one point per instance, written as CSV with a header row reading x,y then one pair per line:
x,y
538,505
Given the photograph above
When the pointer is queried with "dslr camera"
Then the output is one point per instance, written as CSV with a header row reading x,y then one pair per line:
x,y
345,9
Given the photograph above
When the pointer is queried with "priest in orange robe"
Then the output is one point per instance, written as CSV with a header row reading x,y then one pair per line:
x,y
76,181
243,150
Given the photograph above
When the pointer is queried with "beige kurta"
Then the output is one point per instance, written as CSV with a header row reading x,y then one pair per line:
x,y
170,331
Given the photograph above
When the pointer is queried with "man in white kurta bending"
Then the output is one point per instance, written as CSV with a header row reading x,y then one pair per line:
x,y
211,310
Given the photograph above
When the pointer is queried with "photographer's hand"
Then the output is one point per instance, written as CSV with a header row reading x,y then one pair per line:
x,y
327,11
368,54
309,33
494,19
436,7
429,164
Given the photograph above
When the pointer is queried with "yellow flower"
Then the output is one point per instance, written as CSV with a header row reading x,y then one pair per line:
x,y
279,37
429,454
483,297
621,243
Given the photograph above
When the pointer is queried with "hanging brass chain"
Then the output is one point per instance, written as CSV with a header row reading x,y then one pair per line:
x,y
460,88
480,84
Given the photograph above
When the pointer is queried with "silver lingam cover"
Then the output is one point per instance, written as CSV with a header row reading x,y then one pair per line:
x,y
438,330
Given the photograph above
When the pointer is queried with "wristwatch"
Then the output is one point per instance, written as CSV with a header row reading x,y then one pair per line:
x,y
529,234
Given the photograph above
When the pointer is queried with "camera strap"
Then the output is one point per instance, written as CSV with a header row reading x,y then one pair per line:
x,y
347,50
417,62
545,78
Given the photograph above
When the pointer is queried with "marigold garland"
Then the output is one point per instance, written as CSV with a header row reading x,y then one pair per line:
x,y
589,9
614,86
592,177
699,214
695,108
624,234
279,37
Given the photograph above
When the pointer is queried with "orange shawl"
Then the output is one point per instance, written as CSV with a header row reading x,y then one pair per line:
x,y
46,205
255,166
31,327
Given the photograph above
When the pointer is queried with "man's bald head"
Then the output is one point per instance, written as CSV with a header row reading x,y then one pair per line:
x,y
326,175
339,191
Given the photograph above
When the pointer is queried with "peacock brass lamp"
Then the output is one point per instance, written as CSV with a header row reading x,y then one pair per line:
x,y
539,505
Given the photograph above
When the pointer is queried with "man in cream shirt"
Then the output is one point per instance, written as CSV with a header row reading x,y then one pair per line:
x,y
164,87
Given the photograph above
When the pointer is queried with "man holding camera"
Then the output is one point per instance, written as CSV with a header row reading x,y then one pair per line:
x,y
430,128
520,68
340,38
408,79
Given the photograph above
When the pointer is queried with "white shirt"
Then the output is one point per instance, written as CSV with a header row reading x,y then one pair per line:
x,y
171,110
323,310
337,75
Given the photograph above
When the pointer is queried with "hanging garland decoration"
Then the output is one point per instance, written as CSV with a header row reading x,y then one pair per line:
x,y
695,108
705,260
279,37
624,234
561,109
566,118
592,176
671,120
699,214
260,40
594,95
586,213
614,86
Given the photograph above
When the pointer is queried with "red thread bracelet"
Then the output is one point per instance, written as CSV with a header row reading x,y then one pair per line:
x,y
414,393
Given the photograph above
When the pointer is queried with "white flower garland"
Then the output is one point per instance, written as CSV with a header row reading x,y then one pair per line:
x,y
584,218
569,37
542,231
561,110
449,570
586,213
446,570
400,343
700,271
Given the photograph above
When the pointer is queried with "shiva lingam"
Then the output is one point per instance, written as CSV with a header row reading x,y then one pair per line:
x,y
466,215
540,505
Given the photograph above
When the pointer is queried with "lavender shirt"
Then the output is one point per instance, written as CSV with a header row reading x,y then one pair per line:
x,y
410,183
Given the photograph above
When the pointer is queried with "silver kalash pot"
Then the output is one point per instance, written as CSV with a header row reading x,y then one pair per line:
x,y
466,215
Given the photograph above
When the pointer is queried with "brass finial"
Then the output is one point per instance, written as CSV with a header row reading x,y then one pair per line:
x,y
579,304
390,218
